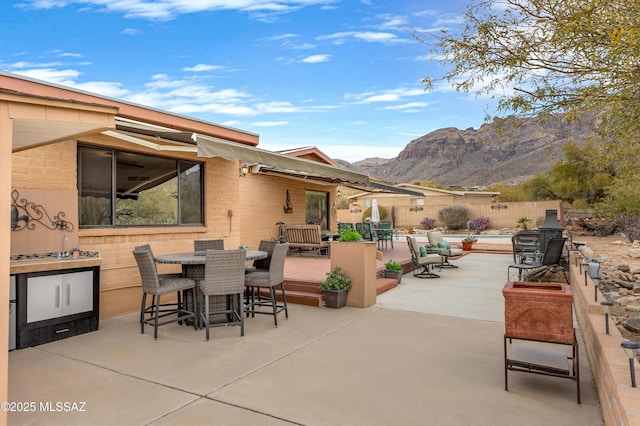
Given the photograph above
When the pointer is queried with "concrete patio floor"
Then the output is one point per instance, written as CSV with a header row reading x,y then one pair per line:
x,y
429,352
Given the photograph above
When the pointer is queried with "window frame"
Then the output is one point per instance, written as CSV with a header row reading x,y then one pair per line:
x,y
179,168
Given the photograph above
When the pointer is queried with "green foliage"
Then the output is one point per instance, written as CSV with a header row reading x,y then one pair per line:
x,y
523,222
454,217
392,265
336,280
546,57
367,213
349,234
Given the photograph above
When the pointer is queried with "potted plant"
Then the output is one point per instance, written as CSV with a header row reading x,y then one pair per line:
x,y
467,242
350,234
393,270
335,287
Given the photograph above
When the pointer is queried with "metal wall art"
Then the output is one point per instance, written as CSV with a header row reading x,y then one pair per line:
x,y
26,214
288,208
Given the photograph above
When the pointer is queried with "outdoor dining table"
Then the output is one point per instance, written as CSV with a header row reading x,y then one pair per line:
x,y
193,264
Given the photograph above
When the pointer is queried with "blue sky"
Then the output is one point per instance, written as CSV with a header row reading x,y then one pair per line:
x,y
343,76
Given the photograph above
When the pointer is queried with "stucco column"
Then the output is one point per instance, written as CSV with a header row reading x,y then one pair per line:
x,y
357,259
6,142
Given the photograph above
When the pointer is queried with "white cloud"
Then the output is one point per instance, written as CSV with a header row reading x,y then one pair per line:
x,y
202,67
130,31
269,123
367,36
412,106
170,9
390,95
314,59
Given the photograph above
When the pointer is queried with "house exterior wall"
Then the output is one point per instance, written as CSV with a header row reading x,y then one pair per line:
x,y
6,138
262,201
53,168
256,202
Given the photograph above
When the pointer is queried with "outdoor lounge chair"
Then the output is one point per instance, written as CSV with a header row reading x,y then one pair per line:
x,y
426,262
552,256
438,243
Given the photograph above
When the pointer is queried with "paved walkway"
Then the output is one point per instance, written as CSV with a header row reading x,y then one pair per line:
x,y
430,352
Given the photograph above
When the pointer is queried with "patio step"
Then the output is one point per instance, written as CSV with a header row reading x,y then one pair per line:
x,y
385,284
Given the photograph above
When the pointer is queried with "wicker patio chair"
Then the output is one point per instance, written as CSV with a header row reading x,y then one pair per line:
x,y
258,280
204,245
426,262
158,285
436,240
263,264
224,279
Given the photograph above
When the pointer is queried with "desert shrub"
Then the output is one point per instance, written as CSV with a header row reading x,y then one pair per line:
x,y
367,213
482,223
454,217
427,222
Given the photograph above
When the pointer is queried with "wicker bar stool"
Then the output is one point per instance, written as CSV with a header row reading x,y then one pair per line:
x,y
157,285
258,280
223,277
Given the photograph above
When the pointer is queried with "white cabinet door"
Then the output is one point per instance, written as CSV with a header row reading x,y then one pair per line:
x,y
52,296
77,292
43,297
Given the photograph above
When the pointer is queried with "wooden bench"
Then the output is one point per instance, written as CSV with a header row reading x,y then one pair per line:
x,y
306,237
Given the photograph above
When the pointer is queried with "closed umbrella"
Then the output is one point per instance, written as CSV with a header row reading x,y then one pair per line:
x,y
375,212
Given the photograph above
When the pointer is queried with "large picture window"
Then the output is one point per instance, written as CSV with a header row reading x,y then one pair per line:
x,y
119,188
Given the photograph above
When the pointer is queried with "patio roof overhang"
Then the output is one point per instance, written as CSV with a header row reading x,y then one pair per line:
x,y
263,162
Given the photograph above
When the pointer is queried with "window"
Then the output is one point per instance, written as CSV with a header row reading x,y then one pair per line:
x,y
316,203
118,188
417,201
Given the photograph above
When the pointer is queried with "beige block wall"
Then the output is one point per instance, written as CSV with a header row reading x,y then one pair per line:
x,y
620,402
500,218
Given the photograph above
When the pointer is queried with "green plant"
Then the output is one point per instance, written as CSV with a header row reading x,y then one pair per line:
x,y
454,217
350,234
470,239
523,221
482,222
392,265
366,214
336,280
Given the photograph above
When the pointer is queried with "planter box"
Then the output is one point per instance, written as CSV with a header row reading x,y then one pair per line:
x,y
335,299
467,246
538,311
397,275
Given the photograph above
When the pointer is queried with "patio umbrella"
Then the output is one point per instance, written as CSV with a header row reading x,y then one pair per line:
x,y
375,212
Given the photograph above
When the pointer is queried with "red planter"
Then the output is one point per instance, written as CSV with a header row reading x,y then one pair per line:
x,y
538,311
466,246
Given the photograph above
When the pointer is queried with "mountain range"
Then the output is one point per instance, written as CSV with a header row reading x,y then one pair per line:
x,y
506,150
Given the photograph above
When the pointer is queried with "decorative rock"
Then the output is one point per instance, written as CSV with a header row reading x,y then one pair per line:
x,y
636,288
624,268
624,301
617,243
633,308
632,324
634,252
586,252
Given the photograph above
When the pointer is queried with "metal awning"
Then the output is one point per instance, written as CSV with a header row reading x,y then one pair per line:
x,y
264,162
272,161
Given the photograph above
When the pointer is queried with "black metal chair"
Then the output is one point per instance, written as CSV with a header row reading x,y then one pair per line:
x,y
256,281
552,256
524,244
158,285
